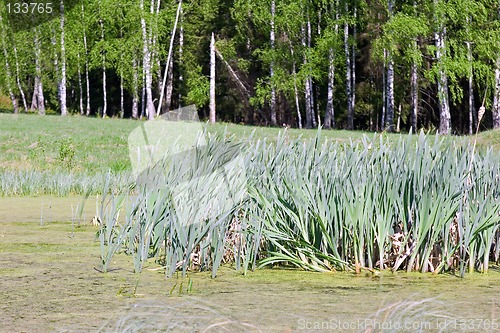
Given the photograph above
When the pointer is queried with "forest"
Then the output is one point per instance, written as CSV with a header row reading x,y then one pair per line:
x,y
347,64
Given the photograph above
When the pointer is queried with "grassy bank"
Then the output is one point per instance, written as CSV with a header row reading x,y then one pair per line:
x,y
82,144
73,155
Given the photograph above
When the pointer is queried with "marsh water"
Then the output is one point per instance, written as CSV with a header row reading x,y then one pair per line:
x,y
50,282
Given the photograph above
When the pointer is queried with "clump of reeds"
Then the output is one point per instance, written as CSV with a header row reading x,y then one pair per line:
x,y
420,204
58,183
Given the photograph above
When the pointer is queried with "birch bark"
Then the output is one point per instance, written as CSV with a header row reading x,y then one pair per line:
x,y
135,90
80,85
273,88
62,92
496,96
170,55
307,84
350,110
389,125
295,89
38,89
150,109
104,88
21,91
496,93
87,81
212,80
471,90
442,82
330,112
7,71
181,56
414,97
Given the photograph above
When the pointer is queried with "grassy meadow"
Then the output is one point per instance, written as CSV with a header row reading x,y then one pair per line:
x,y
73,155
393,221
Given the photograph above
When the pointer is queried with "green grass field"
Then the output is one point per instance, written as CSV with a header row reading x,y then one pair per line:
x,y
32,142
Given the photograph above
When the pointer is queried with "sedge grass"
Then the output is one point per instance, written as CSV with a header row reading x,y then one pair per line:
x,y
325,206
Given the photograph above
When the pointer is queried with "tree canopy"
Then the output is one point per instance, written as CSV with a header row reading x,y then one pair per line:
x,y
361,64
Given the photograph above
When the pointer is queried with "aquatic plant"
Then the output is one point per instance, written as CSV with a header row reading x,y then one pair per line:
x,y
417,204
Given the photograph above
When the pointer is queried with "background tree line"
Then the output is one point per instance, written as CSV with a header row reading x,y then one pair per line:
x,y
351,64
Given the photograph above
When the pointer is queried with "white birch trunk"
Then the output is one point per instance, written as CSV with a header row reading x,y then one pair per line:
x,y
241,87
122,98
329,121
104,87
170,56
496,93
53,40
353,65
212,80
181,53
18,81
150,109
296,93
471,90
38,90
274,121
87,112
135,90
143,96
496,96
389,125
414,84
34,98
444,108
170,87
64,110
398,123
307,85
384,92
414,97
350,110
8,72
80,86
311,94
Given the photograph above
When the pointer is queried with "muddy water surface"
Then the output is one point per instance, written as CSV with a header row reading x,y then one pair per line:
x,y
49,282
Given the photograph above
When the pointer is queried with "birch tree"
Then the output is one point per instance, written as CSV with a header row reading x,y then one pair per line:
x,y
348,73
212,80
272,40
331,36
389,119
62,90
7,68
148,72
38,101
442,77
496,91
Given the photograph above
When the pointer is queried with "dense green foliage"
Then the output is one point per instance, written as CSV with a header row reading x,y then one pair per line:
x,y
110,40
425,205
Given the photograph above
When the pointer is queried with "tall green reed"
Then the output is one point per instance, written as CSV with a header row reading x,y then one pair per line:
x,y
415,204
